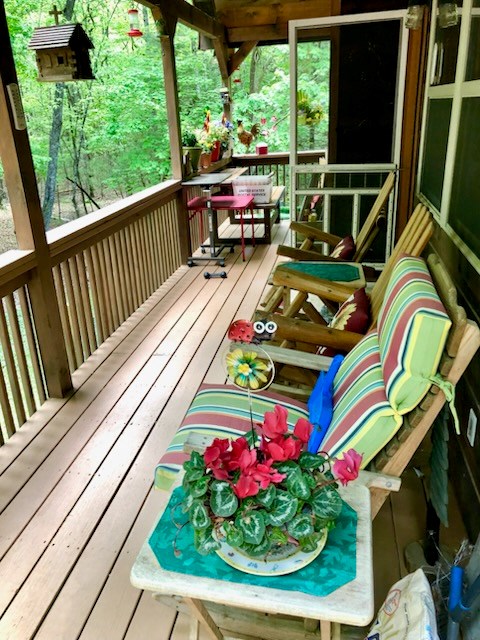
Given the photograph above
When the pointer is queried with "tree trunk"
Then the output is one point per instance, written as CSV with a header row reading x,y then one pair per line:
x,y
53,151
55,134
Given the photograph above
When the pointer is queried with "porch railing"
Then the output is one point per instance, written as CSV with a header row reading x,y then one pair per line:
x,y
339,197
105,266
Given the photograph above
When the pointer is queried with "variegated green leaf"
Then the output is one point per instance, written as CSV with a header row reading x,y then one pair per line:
x,y
326,503
252,525
310,543
267,496
283,509
298,485
310,460
223,500
256,550
200,487
204,542
198,515
233,535
301,526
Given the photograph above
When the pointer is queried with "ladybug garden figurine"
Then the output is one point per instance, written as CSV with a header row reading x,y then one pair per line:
x,y
251,332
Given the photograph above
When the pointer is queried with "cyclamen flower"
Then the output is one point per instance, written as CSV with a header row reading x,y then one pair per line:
x,y
303,429
283,449
348,468
275,422
245,487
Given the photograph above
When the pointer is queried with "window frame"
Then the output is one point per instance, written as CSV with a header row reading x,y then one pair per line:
x,y
456,91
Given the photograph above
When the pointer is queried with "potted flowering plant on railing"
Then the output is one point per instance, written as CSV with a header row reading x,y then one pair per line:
x,y
264,494
215,137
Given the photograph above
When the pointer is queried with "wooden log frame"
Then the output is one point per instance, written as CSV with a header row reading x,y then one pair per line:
x,y
413,241
462,343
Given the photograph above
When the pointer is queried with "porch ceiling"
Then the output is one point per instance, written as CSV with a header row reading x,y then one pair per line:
x,y
240,21
267,20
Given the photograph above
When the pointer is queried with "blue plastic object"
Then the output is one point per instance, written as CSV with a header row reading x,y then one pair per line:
x,y
320,404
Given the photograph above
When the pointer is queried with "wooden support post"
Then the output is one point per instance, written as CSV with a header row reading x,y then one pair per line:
x,y
166,24
28,220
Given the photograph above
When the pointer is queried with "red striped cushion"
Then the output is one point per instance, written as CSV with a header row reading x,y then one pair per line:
x,y
221,412
412,329
362,416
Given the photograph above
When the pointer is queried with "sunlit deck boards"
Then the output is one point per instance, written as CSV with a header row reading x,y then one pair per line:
x,y
75,485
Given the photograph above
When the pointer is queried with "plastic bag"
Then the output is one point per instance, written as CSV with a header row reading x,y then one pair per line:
x,y
408,612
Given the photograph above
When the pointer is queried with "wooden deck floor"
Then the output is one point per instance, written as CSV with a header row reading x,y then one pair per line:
x,y
76,499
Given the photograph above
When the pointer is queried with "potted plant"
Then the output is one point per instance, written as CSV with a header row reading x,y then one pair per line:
x,y
191,146
264,495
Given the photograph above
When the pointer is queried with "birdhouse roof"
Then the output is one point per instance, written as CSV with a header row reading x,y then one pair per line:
x,y
61,35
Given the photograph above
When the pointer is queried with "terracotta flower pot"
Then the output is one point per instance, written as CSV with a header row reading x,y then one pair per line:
x,y
205,160
216,149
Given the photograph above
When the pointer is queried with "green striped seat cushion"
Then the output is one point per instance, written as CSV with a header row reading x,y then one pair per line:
x,y
221,412
412,329
362,416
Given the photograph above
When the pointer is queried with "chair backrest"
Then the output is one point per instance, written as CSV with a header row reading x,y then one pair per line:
x,y
413,240
462,344
375,219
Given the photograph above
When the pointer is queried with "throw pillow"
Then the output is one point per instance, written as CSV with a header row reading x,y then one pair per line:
x,y
353,315
344,249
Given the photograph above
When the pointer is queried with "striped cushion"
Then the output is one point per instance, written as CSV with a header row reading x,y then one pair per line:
x,y
220,412
412,330
362,416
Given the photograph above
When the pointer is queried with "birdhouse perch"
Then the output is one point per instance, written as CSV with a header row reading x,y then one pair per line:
x,y
62,53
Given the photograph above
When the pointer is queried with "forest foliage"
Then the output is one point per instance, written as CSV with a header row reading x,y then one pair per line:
x,y
114,135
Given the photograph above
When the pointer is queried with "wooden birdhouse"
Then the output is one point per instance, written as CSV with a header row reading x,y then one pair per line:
x,y
62,53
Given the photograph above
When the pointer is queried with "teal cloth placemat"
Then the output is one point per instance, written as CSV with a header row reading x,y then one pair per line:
x,y
334,567
326,270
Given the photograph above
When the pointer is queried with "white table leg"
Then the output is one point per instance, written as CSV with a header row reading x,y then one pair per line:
x,y
194,630
325,630
201,614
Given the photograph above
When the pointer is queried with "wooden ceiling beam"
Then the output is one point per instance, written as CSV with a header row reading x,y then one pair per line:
x,y
245,13
239,56
189,15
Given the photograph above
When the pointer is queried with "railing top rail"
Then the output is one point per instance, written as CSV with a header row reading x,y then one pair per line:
x,y
344,168
275,157
116,214
15,266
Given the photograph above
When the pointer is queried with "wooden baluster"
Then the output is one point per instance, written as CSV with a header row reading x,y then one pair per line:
x,y
6,409
32,345
66,327
133,264
20,354
114,283
85,296
127,273
101,328
11,368
121,276
72,312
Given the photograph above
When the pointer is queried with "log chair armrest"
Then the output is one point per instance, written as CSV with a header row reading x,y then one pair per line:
x,y
305,255
296,330
313,232
309,284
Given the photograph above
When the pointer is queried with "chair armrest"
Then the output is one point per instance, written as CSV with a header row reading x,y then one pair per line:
x,y
283,355
313,232
312,333
305,255
310,284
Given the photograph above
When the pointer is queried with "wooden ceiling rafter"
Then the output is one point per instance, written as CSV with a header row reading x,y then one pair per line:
x,y
189,15
240,54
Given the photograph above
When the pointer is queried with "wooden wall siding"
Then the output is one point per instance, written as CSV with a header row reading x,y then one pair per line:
x,y
22,385
101,286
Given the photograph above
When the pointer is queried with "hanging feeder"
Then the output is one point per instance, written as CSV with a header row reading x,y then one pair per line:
x,y
134,24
